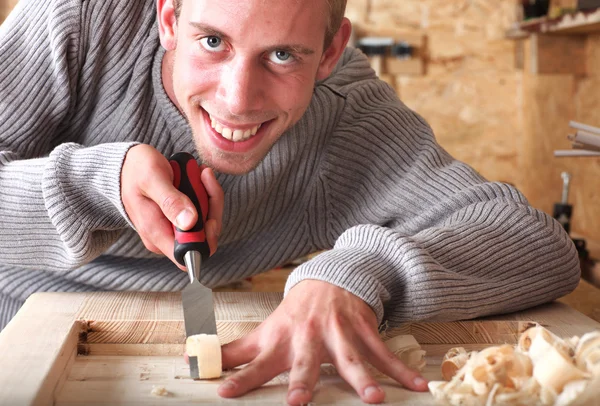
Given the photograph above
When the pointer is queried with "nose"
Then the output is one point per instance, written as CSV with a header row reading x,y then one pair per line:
x,y
241,86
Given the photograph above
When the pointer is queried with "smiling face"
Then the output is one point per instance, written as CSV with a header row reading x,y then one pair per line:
x,y
243,72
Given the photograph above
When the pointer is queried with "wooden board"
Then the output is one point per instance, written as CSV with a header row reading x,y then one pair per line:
x,y
112,348
556,55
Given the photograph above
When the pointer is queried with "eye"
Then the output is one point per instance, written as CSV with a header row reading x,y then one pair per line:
x,y
281,57
212,43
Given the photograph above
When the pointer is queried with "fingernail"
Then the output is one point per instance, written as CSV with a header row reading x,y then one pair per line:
x,y
228,385
298,392
372,390
184,219
418,381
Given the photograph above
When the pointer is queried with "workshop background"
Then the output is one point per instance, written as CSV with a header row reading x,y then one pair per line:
x,y
499,81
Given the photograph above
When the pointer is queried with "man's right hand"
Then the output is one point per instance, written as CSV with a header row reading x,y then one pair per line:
x,y
153,204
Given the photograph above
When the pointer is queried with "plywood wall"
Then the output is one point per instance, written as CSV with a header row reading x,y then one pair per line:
x,y
586,172
471,93
489,112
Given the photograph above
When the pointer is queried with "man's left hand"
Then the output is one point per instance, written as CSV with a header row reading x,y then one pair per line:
x,y
316,323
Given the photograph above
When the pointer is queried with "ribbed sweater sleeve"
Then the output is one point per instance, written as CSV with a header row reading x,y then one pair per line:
x,y
60,204
421,236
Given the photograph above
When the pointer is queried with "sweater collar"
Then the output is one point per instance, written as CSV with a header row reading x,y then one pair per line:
x,y
175,121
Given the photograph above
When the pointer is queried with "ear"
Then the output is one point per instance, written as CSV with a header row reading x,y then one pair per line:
x,y
167,24
334,52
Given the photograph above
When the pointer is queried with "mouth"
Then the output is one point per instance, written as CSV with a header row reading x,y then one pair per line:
x,y
234,134
238,137
237,133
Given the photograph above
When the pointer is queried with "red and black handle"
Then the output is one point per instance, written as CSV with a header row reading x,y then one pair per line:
x,y
187,180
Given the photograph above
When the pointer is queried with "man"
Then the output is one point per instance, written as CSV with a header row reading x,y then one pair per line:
x,y
311,151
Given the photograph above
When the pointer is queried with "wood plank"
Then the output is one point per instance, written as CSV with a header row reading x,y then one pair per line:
x,y
557,317
582,22
585,299
141,318
129,381
157,318
37,347
42,369
458,332
556,54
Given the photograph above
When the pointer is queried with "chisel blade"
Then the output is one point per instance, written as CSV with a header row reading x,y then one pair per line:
x,y
198,309
198,316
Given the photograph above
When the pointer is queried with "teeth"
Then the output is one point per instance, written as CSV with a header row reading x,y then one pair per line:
x,y
227,133
238,135
233,134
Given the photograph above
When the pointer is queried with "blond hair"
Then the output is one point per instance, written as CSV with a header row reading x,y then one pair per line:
x,y
337,8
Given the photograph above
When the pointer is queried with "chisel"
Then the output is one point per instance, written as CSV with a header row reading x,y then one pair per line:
x,y
191,248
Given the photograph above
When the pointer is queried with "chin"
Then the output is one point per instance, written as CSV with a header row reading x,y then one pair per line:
x,y
230,168
228,163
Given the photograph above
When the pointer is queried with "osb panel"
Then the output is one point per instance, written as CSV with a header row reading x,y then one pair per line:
x,y
489,16
547,110
357,10
593,51
585,190
475,117
555,54
463,34
468,53
551,101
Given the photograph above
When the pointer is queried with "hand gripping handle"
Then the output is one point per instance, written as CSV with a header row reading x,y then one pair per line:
x,y
187,180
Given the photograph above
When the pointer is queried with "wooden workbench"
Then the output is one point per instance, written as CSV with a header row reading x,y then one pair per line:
x,y
112,348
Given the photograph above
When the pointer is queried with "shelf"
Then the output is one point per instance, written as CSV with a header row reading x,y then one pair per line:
x,y
579,23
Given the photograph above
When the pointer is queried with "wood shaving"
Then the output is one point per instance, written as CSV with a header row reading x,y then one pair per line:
x,y
542,369
405,347
159,391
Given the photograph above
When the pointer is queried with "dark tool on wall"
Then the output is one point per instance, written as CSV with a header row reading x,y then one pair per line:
x,y
191,248
376,48
535,8
402,50
563,212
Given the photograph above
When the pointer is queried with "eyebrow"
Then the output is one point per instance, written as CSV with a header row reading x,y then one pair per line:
x,y
209,30
292,48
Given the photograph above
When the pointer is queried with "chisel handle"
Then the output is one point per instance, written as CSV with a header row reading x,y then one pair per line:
x,y
187,180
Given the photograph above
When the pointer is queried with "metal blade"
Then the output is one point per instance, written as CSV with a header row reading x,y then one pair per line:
x,y
193,263
198,309
199,316
194,370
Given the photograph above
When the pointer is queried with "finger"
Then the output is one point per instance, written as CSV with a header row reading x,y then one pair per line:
x,y
211,235
215,196
386,361
239,352
260,371
304,373
150,247
152,226
160,233
175,206
350,366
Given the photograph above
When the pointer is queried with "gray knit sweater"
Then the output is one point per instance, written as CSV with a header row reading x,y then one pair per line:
x,y
411,231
